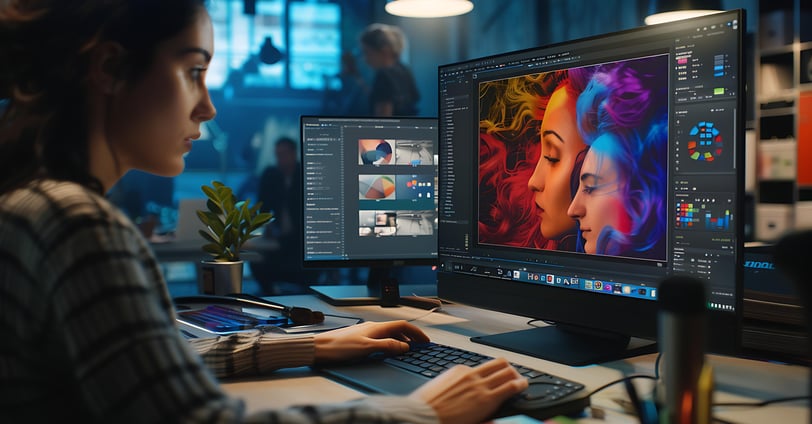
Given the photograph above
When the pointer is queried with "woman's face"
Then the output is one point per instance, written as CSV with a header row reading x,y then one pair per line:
x,y
374,58
550,182
153,120
598,203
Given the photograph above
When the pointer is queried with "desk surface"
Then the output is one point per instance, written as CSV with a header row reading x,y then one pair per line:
x,y
191,250
738,380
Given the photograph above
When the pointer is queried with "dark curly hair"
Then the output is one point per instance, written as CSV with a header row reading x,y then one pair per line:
x,y
45,48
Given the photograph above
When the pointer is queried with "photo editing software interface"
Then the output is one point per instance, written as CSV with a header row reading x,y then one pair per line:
x,y
370,190
599,166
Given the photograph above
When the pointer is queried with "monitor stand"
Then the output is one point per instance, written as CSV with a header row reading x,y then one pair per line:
x,y
372,293
569,345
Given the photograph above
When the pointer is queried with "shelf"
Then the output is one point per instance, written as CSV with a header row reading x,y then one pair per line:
x,y
777,111
777,51
781,81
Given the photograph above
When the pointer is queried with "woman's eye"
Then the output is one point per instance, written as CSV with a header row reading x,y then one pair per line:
x,y
197,72
551,159
589,189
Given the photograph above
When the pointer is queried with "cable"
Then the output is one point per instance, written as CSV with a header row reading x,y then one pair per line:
x,y
657,365
530,323
621,380
430,311
431,300
360,320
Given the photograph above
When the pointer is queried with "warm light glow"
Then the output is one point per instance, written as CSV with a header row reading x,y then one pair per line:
x,y
659,18
428,8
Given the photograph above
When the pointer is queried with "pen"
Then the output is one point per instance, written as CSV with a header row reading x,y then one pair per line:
x,y
635,401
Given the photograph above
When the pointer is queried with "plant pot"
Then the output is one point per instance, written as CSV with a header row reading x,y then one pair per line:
x,y
219,278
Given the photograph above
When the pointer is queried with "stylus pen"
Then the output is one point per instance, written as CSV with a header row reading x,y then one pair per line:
x,y
297,314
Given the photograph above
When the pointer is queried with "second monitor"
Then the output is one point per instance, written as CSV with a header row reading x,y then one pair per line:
x,y
370,200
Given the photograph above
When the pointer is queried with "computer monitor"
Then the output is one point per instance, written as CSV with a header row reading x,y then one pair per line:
x,y
575,177
370,186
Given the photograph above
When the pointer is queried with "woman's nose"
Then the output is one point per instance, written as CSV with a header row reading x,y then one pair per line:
x,y
536,181
576,209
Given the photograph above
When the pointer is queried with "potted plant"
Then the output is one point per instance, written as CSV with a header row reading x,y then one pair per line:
x,y
229,223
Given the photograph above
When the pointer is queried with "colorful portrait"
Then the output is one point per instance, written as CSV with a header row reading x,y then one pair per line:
x,y
529,148
538,132
620,204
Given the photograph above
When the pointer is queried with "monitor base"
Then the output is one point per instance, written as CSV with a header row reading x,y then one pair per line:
x,y
565,346
356,295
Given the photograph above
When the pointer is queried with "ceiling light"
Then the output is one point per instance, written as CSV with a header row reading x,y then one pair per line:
x,y
661,11
428,8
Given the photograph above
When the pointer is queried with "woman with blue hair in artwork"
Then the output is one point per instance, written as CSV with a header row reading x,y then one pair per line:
x,y
620,203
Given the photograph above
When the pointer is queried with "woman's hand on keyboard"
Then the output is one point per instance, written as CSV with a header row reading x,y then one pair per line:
x,y
471,395
362,340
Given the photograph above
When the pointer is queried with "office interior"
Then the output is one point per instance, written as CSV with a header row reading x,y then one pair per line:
x,y
259,102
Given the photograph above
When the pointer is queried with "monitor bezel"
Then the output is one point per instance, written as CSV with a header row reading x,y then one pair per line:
x,y
595,311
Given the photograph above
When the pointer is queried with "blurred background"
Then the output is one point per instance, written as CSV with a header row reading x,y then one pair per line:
x,y
278,59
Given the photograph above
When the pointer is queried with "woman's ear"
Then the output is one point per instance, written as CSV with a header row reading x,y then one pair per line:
x,y
107,65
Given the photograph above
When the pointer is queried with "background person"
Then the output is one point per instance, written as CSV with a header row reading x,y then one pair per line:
x,y
90,329
346,93
280,191
394,90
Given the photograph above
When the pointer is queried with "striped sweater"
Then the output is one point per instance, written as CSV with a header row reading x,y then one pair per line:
x,y
89,332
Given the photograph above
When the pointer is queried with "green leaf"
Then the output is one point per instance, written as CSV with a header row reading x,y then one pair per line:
x,y
229,254
234,237
233,218
213,221
202,217
262,219
231,222
206,235
214,207
213,249
210,192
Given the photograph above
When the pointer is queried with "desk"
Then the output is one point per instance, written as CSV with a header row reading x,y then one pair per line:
x,y
738,380
191,251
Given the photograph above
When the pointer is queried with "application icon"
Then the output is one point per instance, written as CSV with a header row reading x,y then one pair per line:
x,y
641,291
588,284
627,290
516,274
653,292
550,278
598,285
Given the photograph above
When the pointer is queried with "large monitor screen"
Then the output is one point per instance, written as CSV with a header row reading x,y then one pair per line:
x,y
576,177
370,191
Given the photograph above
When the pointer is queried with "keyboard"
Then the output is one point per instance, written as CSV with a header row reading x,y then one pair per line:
x,y
547,395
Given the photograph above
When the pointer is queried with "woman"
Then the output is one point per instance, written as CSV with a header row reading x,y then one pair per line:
x,y
620,203
559,160
509,111
95,89
602,191
394,90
